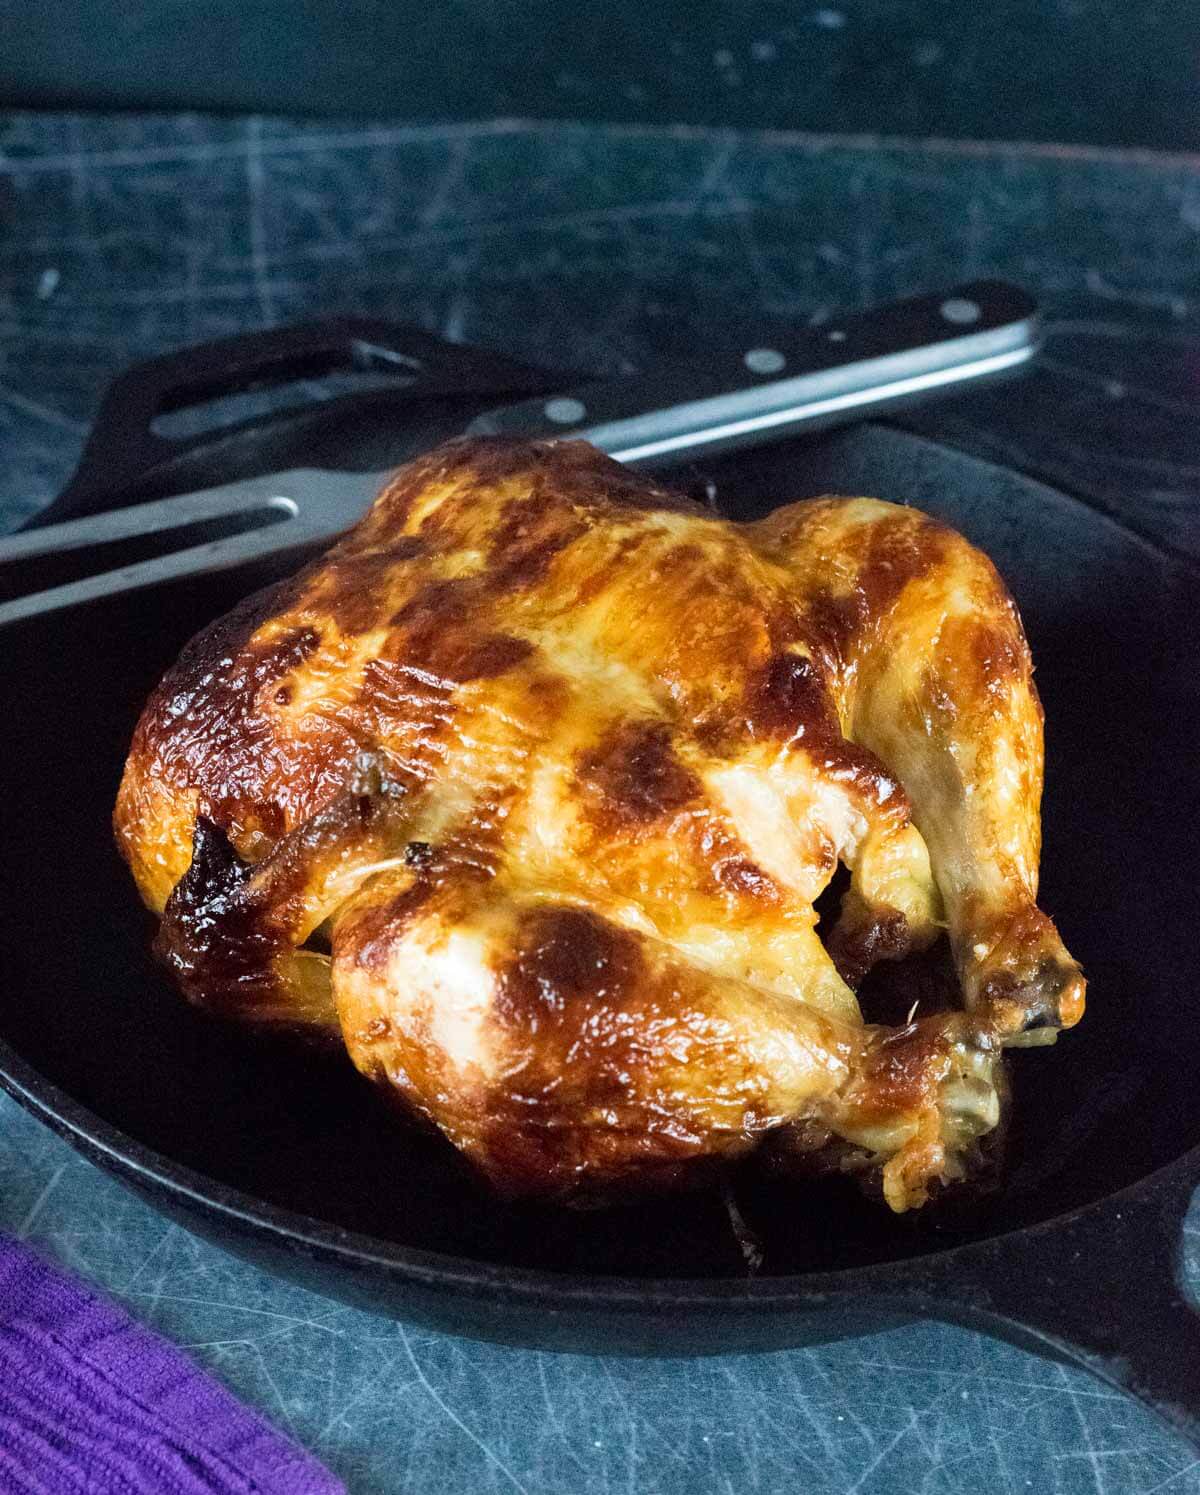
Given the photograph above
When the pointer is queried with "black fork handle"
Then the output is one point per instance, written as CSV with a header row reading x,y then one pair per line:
x,y
126,461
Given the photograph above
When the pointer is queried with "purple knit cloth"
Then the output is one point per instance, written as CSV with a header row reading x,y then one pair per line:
x,y
92,1402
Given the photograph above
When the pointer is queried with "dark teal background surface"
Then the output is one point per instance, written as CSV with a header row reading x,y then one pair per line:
x,y
598,248
1098,71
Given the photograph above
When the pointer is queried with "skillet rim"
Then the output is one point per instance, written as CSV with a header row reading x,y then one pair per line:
x,y
132,1161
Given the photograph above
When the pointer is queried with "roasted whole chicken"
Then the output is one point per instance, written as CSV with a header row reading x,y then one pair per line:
x,y
526,790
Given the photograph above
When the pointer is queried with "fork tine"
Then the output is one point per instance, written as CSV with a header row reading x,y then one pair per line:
x,y
216,555
152,518
311,507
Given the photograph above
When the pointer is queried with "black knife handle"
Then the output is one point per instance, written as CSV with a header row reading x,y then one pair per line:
x,y
785,378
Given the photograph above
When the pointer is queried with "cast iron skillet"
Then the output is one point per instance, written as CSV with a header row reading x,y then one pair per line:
x,y
294,1162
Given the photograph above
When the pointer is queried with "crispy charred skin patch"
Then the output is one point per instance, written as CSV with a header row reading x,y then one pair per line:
x,y
903,1068
738,874
633,779
565,957
858,948
1025,983
588,1013
232,932
212,939
883,560
437,631
790,699
614,749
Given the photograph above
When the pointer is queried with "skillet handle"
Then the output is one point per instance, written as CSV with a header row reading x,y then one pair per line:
x,y
435,386
1101,1290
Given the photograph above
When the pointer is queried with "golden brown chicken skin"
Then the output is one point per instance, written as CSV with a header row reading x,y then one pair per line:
x,y
527,788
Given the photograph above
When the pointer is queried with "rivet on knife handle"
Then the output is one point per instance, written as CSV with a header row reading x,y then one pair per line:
x,y
800,379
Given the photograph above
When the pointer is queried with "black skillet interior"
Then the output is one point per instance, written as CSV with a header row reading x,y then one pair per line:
x,y
91,1017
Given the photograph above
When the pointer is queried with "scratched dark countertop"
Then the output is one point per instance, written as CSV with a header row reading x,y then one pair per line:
x,y
596,247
